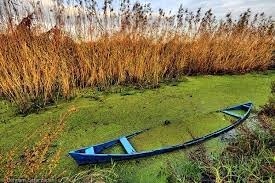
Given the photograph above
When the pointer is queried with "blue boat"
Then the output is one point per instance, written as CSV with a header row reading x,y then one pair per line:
x,y
94,154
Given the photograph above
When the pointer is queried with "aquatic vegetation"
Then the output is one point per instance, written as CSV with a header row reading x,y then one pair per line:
x,y
26,161
249,157
188,107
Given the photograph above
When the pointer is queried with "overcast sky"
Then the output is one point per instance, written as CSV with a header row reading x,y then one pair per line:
x,y
220,7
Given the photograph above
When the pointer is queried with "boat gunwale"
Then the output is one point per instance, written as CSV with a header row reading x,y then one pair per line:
x,y
187,144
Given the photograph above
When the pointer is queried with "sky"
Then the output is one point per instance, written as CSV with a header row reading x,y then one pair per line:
x,y
220,7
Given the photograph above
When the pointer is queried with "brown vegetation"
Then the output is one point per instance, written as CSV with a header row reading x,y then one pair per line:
x,y
131,46
268,110
39,158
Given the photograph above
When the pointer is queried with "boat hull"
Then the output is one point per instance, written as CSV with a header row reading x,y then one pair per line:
x,y
96,157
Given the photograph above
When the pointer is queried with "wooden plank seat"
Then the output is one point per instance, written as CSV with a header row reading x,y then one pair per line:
x,y
127,145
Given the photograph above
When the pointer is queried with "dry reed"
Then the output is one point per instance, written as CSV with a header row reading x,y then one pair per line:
x,y
132,45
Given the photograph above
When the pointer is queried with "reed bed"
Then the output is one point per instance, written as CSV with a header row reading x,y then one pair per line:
x,y
43,60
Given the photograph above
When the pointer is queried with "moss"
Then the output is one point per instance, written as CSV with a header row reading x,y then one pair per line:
x,y
189,106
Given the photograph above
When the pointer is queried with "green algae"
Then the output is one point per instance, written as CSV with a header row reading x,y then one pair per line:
x,y
189,106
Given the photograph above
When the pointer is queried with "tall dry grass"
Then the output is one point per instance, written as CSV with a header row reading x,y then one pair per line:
x,y
132,45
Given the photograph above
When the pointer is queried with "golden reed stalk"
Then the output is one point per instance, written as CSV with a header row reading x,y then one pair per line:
x,y
38,67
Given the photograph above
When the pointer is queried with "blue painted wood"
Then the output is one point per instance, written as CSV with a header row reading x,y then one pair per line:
x,y
90,150
127,146
232,114
83,158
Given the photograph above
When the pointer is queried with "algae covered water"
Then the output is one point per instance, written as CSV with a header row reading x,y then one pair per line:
x,y
177,112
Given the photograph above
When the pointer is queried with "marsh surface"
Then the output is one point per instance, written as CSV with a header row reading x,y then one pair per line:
x,y
187,107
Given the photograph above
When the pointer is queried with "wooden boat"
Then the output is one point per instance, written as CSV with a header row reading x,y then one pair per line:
x,y
94,154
